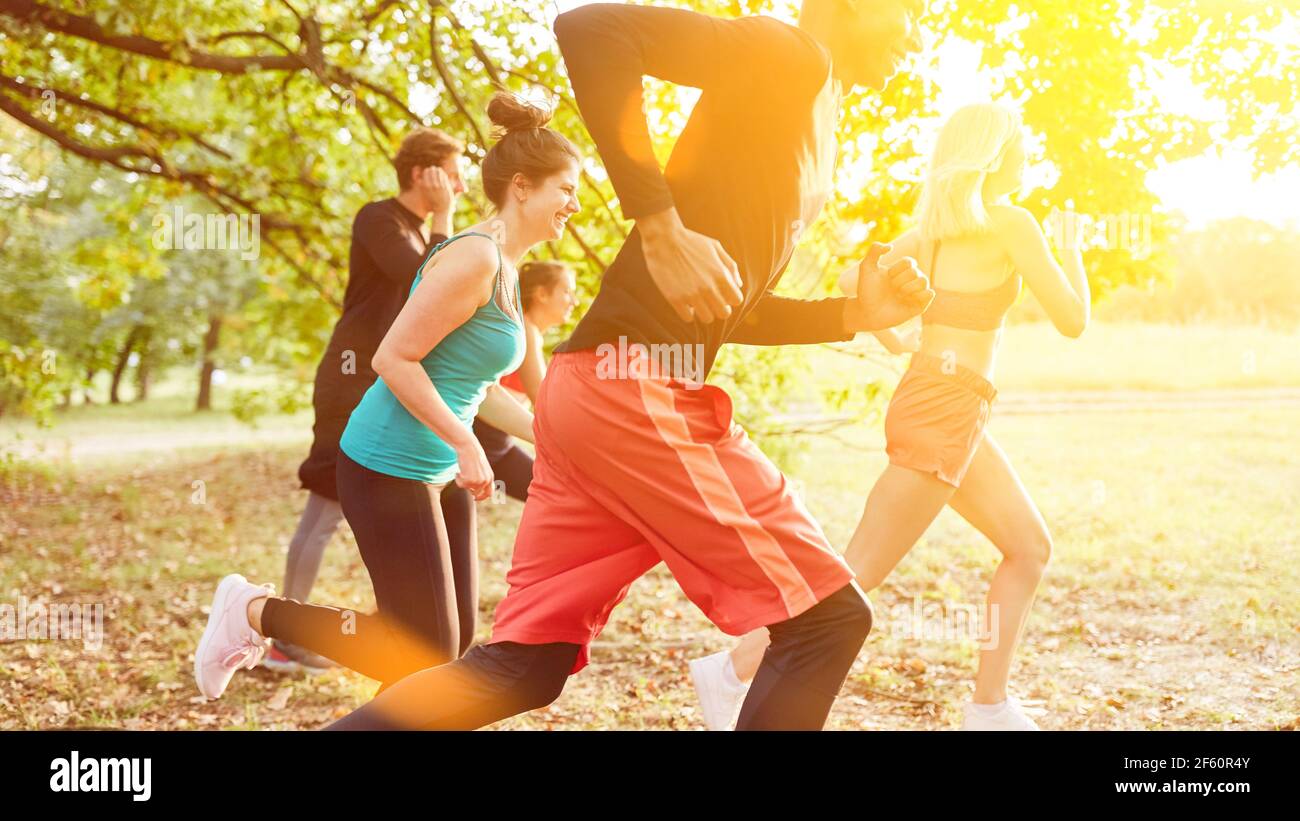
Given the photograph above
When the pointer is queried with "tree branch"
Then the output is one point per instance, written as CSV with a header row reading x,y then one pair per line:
x,y
158,166
86,28
36,92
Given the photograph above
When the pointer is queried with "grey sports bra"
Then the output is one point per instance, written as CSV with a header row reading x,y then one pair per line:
x,y
970,310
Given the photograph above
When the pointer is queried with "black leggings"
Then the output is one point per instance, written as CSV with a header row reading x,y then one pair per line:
x,y
426,586
802,671
511,465
514,468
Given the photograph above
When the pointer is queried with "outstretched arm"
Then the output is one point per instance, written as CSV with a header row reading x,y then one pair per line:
x,y
886,295
907,244
778,320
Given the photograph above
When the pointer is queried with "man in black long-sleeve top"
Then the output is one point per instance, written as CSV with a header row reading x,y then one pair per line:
x,y
636,465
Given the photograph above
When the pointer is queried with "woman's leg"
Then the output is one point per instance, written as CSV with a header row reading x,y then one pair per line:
x,y
511,464
403,541
460,518
319,522
901,505
746,656
992,498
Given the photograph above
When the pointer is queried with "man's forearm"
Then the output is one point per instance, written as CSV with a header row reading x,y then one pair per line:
x,y
658,225
783,321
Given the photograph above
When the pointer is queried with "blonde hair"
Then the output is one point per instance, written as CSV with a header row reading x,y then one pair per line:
x,y
971,145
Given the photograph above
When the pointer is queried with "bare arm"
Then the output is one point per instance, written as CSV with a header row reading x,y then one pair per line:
x,y
441,303
897,342
1062,290
503,412
897,292
533,369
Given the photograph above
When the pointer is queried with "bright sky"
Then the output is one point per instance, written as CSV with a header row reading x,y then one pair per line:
x,y
1213,186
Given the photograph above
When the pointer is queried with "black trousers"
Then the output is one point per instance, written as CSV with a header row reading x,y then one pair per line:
x,y
426,586
802,672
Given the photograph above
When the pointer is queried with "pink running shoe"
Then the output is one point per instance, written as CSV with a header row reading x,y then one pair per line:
x,y
229,642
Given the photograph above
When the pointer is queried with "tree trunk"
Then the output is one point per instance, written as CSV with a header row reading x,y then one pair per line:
x,y
143,370
86,396
210,340
123,357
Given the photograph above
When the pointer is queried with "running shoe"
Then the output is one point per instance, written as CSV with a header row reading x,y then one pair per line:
x,y
229,641
1011,717
277,661
720,692
289,658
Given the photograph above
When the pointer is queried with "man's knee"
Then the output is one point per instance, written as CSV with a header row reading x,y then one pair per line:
x,y
535,674
542,691
846,612
865,615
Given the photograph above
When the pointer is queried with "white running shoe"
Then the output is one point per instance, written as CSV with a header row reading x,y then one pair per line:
x,y
1011,717
229,641
720,692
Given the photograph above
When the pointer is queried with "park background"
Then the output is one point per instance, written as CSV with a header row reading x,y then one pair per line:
x,y
154,403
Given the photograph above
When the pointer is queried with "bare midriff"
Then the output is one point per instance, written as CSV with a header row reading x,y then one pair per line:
x,y
975,350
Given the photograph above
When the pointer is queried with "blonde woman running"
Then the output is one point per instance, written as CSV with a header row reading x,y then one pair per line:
x,y
977,249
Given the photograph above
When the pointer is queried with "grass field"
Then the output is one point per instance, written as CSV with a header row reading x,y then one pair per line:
x,y
1172,600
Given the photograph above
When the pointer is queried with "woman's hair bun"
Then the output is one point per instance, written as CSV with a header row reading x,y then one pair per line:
x,y
511,113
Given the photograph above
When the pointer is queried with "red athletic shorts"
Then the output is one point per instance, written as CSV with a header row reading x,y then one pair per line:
x,y
634,471
936,418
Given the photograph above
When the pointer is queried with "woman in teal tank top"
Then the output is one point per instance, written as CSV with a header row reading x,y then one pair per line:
x,y
412,433
383,435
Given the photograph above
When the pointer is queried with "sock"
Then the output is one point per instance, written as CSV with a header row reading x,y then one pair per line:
x,y
988,710
730,678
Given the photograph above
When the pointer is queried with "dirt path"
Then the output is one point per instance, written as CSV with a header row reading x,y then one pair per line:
x,y
111,445
115,445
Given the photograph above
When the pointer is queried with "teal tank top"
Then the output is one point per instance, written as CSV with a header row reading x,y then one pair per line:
x,y
383,436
